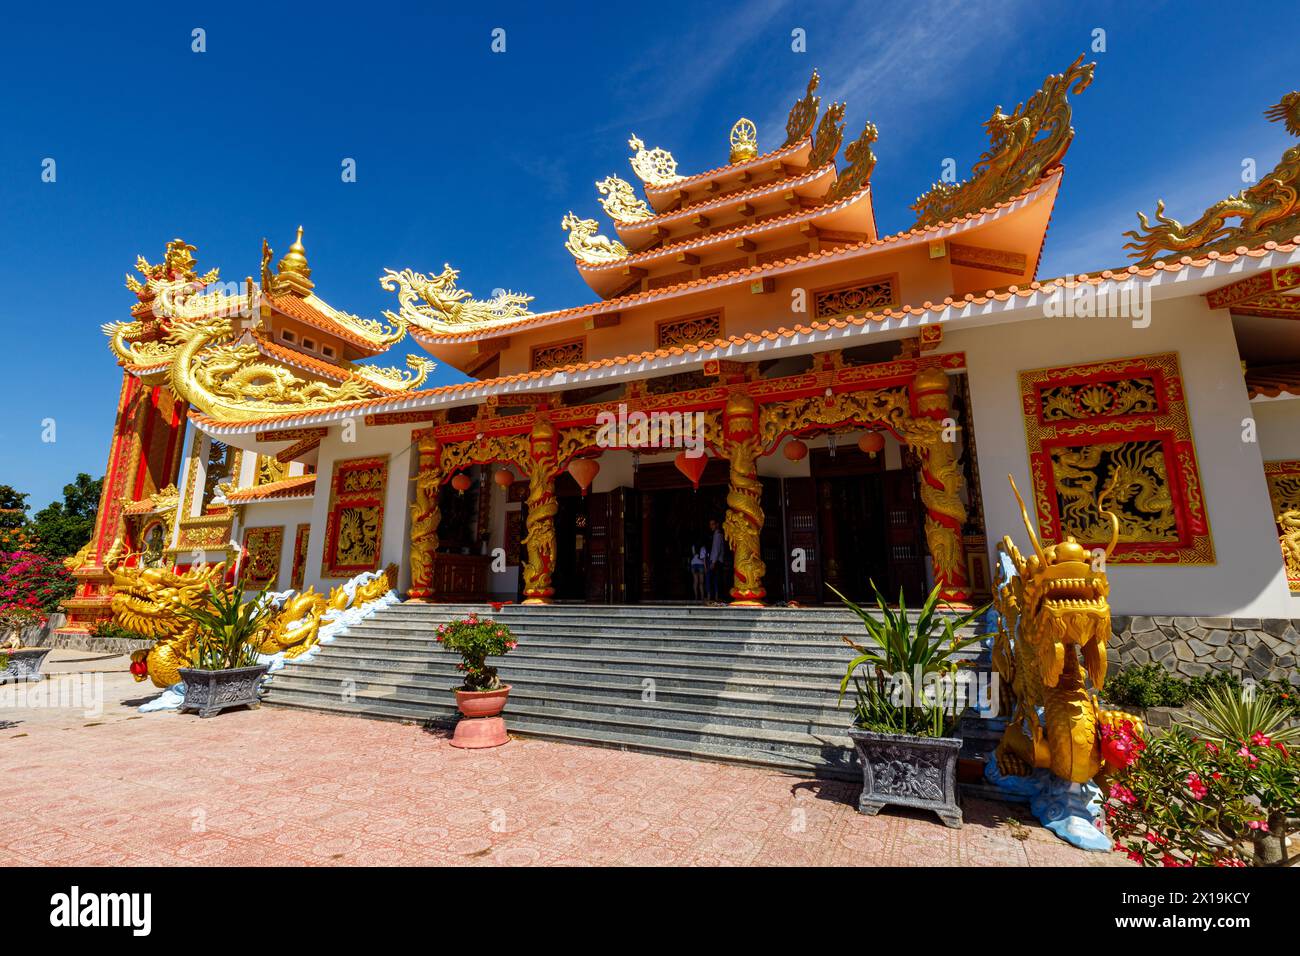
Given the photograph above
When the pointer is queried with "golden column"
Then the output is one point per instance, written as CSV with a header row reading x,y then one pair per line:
x,y
744,522
941,484
540,464
425,515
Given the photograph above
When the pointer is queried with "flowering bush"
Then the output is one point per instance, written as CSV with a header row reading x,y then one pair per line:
x,y
1183,800
476,640
31,587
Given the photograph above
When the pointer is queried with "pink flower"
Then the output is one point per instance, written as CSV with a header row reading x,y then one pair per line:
x,y
1197,789
1123,794
1211,748
1259,740
1261,825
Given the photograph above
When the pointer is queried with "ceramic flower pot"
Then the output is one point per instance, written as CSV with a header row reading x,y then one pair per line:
x,y
481,724
908,771
24,663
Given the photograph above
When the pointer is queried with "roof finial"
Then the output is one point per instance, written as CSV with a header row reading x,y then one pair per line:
x,y
294,272
744,141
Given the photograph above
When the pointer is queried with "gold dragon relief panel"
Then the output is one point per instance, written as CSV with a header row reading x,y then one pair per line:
x,y
1284,493
1120,425
354,527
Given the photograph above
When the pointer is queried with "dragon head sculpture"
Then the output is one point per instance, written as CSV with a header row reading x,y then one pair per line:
x,y
147,601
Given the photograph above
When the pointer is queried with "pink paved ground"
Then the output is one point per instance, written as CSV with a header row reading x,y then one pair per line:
x,y
284,787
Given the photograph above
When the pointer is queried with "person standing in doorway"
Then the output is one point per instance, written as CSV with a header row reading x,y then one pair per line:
x,y
713,575
699,561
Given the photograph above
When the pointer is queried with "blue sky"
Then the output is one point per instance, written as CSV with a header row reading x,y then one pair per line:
x,y
472,157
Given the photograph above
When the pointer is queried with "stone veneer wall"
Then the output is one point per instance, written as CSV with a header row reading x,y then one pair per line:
x,y
1264,649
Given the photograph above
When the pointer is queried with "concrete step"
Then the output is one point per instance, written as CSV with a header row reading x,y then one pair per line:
x,y
748,685
625,702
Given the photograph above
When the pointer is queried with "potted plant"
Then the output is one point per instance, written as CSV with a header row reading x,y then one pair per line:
x,y
482,697
1219,791
906,713
18,662
224,671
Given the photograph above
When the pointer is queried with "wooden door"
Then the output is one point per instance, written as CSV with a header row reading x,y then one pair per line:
x,y
905,537
599,571
801,536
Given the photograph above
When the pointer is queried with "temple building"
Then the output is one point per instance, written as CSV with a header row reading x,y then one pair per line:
x,y
846,405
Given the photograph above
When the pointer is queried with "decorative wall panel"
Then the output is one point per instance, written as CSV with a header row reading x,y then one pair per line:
x,y
262,548
300,540
1123,421
1284,491
353,531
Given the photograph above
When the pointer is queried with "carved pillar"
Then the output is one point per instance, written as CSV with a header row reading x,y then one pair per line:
x,y
744,522
540,466
941,484
425,515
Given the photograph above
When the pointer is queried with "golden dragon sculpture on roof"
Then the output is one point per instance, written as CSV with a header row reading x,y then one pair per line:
x,y
1270,209
1023,146
433,303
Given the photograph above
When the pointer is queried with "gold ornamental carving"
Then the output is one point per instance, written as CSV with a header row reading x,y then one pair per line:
x,y
433,303
803,115
1053,630
654,167
1023,146
1284,491
829,136
744,141
1270,209
861,163
587,245
620,202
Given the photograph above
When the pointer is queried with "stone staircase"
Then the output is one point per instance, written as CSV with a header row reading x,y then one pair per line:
x,y
748,685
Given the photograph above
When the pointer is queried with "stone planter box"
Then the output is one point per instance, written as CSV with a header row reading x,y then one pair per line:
x,y
24,663
906,771
211,692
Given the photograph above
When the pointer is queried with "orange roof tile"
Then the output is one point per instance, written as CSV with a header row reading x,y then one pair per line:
x,y
928,310
722,235
296,308
299,486
702,205
633,299
694,180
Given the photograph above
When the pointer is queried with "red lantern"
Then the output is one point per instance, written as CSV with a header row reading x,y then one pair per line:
x,y
795,450
504,477
461,483
584,471
872,443
692,466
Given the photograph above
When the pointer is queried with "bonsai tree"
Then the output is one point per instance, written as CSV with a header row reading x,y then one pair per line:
x,y
476,640
886,676
228,626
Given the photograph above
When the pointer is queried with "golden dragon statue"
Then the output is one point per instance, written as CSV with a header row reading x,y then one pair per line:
x,y
433,303
1270,209
149,602
1052,635
587,245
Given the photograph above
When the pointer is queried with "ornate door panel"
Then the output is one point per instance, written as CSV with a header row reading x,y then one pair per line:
x,y
905,538
599,551
801,535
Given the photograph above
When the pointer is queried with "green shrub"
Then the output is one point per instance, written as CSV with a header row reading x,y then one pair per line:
x,y
1147,685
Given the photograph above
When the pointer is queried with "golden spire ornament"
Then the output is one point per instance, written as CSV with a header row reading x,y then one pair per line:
x,y
294,272
744,141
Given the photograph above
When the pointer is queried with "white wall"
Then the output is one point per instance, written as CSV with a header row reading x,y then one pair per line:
x,y
1248,578
288,514
393,441
1278,424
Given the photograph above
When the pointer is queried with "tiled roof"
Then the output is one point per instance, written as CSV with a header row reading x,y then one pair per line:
x,y
298,308
1273,381
847,251
687,182
701,206
299,486
950,308
739,230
